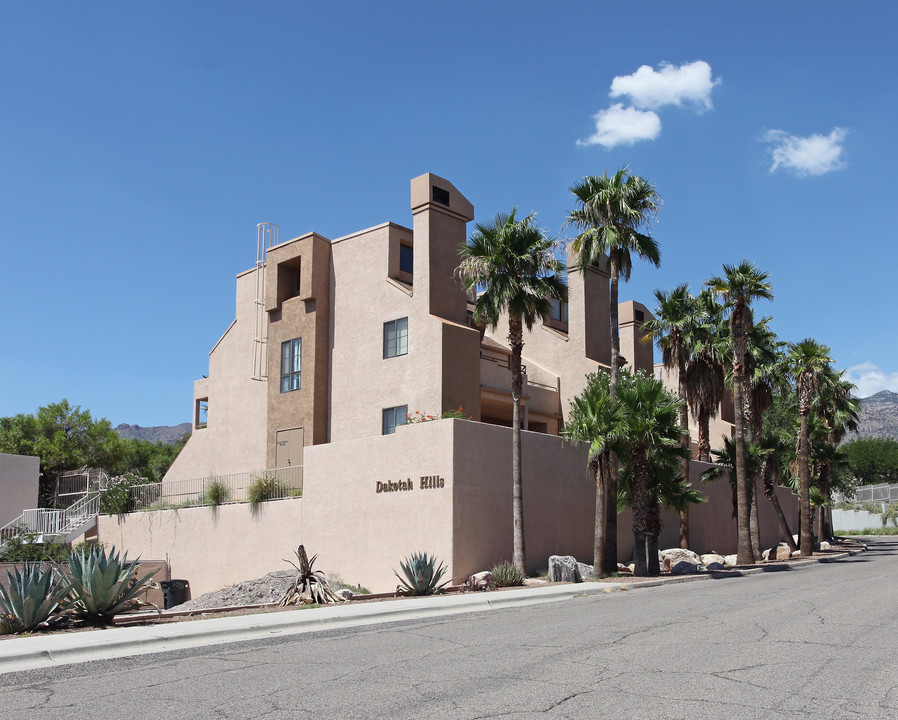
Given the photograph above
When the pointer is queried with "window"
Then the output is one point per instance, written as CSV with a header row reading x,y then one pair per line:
x,y
291,364
558,311
396,338
392,417
441,196
201,415
406,259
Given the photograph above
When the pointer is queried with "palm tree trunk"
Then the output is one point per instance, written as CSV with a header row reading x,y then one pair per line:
x,y
770,491
611,482
806,542
515,337
640,512
598,552
704,434
755,522
615,324
653,561
744,554
684,442
614,466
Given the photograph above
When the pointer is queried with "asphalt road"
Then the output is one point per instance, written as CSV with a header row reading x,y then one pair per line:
x,y
818,642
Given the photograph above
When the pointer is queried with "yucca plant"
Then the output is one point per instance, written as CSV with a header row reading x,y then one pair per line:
x,y
35,597
104,585
311,586
217,493
506,574
422,575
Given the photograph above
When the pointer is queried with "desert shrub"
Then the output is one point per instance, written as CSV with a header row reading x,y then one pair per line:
x,y
104,584
25,548
36,596
421,575
217,493
117,497
505,574
265,487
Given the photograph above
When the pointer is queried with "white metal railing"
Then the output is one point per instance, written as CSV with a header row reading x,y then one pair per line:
x,y
45,521
272,484
883,492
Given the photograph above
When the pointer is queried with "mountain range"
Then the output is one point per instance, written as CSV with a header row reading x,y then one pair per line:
x,y
158,433
879,415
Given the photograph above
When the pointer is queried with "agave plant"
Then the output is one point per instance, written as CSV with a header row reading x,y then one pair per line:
x,y
311,586
104,584
35,596
422,576
506,574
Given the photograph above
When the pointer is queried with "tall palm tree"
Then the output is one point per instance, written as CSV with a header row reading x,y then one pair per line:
x,y
705,377
512,263
672,328
738,287
611,213
597,418
807,361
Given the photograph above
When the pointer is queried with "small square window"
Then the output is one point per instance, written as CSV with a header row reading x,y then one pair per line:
x,y
291,364
396,338
392,417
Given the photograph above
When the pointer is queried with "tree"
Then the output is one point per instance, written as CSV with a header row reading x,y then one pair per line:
x,y
610,214
738,287
807,362
596,418
514,263
65,438
873,460
675,317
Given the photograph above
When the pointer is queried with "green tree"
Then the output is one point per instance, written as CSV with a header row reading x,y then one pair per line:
x,y
808,362
611,214
738,287
512,263
65,437
873,460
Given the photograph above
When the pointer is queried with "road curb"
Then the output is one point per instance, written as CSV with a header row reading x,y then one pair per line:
x,y
42,651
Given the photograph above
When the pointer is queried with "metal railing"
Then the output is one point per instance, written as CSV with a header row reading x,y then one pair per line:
x,y
272,484
876,493
55,523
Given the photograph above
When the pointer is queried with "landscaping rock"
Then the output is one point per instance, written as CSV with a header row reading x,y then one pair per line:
x,y
687,566
824,545
797,553
729,560
564,568
766,554
783,552
481,580
713,561
668,558
345,593
585,570
624,569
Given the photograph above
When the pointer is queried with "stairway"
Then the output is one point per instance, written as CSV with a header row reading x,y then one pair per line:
x,y
55,525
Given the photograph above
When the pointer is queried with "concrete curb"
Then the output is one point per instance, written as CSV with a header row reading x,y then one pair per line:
x,y
41,651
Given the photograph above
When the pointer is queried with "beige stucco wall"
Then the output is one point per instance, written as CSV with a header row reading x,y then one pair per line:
x,y
210,547
19,475
234,439
718,428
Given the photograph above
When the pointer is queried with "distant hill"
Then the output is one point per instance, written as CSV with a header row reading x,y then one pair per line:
x,y
879,415
160,433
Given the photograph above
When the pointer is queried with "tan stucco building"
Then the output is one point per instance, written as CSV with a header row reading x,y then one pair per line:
x,y
347,336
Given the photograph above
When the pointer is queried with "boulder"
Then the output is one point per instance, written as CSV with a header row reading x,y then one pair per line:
x,y
783,552
585,570
625,569
729,560
713,561
564,568
687,566
766,554
480,581
797,553
673,554
824,545
345,593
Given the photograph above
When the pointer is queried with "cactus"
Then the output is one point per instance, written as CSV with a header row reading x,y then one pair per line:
x,y
104,584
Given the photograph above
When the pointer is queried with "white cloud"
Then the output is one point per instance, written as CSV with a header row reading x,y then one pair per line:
x,y
619,125
870,379
814,155
650,89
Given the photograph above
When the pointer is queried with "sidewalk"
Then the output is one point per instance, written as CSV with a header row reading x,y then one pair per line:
x,y
41,651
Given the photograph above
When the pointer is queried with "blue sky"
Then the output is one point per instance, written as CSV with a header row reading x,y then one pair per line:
x,y
141,143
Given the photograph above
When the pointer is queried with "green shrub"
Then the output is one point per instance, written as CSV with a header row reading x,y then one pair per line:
x,y
36,596
103,584
217,493
265,487
505,574
25,548
422,576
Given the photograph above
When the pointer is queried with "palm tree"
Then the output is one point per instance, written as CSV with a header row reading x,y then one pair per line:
x,y
597,418
610,215
738,286
675,318
705,378
651,417
513,262
807,361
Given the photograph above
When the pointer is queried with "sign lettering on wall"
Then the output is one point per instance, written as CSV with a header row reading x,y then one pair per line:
x,y
425,482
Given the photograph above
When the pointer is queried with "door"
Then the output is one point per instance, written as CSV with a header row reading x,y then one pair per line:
x,y
289,448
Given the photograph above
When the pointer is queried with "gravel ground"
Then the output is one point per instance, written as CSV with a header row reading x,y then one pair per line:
x,y
265,590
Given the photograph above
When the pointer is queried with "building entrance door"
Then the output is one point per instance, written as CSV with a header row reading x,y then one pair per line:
x,y
289,448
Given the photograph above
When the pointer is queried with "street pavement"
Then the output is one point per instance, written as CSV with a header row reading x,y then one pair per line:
x,y
811,642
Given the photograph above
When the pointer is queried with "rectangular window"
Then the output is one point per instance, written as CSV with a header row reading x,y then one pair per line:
x,y
396,338
392,417
406,259
558,311
291,364
201,418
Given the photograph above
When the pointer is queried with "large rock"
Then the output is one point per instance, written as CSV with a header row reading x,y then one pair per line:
x,y
783,552
729,560
687,566
824,545
564,568
585,570
668,558
713,561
